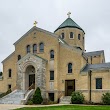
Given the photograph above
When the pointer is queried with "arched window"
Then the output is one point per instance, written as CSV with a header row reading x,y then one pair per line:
x,y
9,73
28,49
19,57
71,35
34,48
41,47
62,35
79,36
52,54
69,67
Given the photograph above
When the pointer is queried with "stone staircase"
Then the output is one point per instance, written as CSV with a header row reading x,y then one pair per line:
x,y
16,97
65,100
13,98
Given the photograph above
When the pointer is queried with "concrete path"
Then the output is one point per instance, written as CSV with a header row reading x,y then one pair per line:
x,y
11,106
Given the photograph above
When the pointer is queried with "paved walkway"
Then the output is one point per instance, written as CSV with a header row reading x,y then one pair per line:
x,y
11,107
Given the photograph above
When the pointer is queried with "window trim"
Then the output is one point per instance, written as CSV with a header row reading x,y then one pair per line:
x,y
51,78
34,49
19,57
79,37
28,51
70,35
9,85
70,71
63,36
39,47
9,73
51,54
97,82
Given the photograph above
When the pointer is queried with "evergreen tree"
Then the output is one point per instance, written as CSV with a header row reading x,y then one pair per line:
x,y
37,98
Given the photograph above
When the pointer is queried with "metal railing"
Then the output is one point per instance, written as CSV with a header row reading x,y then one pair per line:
x,y
31,87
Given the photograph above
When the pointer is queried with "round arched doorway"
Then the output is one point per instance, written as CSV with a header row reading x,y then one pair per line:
x,y
30,77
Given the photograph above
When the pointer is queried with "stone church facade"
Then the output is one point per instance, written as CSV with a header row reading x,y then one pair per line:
x,y
57,63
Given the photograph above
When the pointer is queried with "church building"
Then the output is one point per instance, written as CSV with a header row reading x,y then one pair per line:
x,y
57,63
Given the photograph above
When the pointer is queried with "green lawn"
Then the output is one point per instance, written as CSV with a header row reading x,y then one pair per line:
x,y
68,107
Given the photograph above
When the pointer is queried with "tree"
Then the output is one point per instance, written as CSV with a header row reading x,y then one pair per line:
x,y
37,98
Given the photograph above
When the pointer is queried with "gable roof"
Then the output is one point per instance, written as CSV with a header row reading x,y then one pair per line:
x,y
38,29
8,57
94,53
102,66
69,23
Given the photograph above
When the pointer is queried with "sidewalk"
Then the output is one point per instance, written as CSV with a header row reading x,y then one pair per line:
x,y
11,106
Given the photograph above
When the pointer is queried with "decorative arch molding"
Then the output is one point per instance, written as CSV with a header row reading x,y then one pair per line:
x,y
40,72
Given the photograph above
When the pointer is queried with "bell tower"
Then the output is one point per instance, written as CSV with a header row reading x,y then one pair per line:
x,y
71,33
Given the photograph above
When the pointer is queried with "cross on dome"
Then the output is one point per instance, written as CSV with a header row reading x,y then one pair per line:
x,y
69,13
35,23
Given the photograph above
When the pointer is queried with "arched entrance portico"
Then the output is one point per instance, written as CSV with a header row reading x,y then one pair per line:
x,y
32,69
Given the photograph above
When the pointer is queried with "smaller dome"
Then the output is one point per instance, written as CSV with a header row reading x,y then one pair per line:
x,y
69,23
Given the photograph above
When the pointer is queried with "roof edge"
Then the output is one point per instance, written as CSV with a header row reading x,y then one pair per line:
x,y
8,57
35,28
69,27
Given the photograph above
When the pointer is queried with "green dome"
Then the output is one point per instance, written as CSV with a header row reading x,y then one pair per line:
x,y
69,23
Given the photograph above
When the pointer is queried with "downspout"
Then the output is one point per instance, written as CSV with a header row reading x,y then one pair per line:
x,y
90,92
90,74
91,59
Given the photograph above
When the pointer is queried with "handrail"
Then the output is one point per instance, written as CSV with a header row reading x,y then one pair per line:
x,y
31,87
60,95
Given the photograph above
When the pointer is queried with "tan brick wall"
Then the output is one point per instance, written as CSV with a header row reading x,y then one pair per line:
x,y
63,56
75,41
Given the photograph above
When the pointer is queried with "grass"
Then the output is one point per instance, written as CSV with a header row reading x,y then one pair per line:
x,y
67,107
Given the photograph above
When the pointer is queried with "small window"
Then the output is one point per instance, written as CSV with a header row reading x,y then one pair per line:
x,y
52,54
62,35
98,83
51,96
28,49
51,75
34,48
71,35
79,36
19,57
9,86
70,68
41,47
9,73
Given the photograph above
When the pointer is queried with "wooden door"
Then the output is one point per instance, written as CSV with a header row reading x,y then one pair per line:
x,y
69,87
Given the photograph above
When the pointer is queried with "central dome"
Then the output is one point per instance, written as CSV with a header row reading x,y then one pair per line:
x,y
69,23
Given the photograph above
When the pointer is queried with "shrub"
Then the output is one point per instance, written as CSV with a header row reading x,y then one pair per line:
x,y
9,91
106,98
6,93
77,98
30,102
37,98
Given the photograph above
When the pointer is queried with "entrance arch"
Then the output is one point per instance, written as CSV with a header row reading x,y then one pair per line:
x,y
30,77
29,66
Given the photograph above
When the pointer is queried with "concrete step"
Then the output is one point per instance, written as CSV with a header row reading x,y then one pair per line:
x,y
65,100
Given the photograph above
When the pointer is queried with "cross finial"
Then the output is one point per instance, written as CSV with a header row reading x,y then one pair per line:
x,y
69,13
35,22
